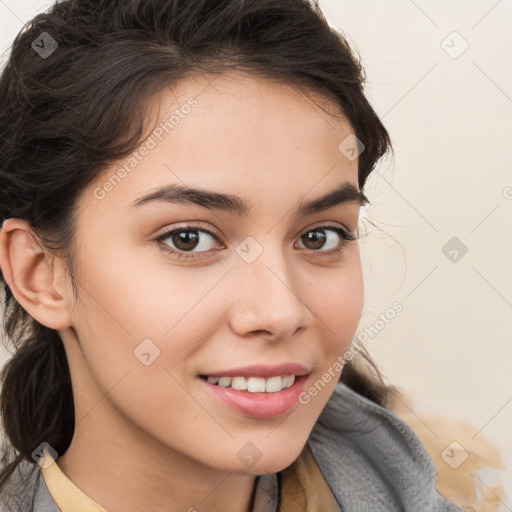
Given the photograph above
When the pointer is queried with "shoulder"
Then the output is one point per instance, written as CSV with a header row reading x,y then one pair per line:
x,y
371,459
469,468
20,488
26,491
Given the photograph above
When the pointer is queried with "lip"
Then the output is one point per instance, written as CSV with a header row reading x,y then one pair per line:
x,y
262,405
262,370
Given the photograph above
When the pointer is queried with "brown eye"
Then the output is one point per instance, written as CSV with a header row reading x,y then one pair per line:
x,y
314,239
185,240
327,240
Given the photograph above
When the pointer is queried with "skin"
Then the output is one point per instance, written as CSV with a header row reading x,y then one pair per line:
x,y
150,437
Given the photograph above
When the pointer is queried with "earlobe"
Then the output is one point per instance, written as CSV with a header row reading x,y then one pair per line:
x,y
30,274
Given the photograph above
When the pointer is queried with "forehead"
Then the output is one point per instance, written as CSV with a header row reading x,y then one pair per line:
x,y
238,132
246,88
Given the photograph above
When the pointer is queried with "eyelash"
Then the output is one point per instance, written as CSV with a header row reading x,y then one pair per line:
x,y
345,235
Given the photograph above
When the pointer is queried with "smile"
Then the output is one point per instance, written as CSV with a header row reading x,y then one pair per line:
x,y
253,384
256,401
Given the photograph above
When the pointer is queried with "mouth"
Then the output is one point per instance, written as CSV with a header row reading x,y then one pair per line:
x,y
252,384
256,397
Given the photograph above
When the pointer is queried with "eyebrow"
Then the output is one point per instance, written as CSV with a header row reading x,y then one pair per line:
x,y
184,194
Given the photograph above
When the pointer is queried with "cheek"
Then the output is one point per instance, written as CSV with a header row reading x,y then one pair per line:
x,y
338,303
147,320
137,335
337,306
140,297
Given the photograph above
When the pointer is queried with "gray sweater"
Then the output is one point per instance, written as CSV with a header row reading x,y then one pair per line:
x,y
371,460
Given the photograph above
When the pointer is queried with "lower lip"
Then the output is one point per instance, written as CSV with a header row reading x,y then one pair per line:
x,y
259,405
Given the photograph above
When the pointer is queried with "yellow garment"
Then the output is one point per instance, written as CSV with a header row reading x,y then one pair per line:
x,y
303,488
67,496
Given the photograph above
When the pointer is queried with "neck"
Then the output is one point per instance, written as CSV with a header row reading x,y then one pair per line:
x,y
125,471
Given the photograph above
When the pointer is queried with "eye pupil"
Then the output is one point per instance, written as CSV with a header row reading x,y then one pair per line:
x,y
317,237
188,238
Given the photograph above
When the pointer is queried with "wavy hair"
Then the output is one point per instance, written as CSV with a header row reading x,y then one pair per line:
x,y
66,116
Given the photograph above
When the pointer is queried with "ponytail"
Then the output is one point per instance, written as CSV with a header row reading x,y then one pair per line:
x,y
36,401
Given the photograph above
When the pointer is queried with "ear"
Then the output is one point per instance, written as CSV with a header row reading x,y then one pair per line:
x,y
36,278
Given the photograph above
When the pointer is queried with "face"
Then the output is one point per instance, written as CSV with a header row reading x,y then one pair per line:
x,y
181,286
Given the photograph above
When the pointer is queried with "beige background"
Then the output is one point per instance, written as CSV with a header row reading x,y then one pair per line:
x,y
440,76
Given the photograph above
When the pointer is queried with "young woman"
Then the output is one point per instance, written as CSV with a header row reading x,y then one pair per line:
x,y
180,187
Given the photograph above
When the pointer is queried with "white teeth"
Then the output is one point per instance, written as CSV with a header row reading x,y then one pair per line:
x,y
224,382
288,380
239,383
254,384
273,384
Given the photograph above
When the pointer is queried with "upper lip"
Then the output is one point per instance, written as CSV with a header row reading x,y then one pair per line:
x,y
262,370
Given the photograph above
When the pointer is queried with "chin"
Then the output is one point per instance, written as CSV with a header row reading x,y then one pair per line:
x,y
269,460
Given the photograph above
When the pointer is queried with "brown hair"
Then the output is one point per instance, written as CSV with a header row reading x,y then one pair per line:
x,y
68,114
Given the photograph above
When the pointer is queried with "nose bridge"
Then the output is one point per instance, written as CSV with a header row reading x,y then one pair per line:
x,y
266,296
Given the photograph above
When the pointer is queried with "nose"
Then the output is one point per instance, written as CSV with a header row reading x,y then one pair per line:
x,y
266,298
